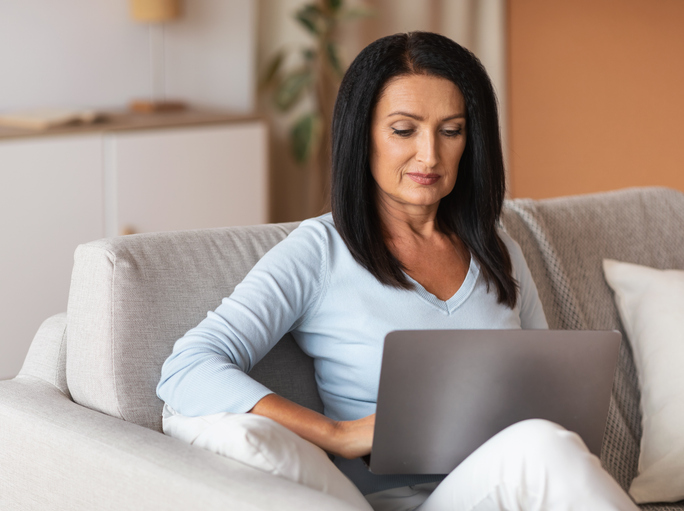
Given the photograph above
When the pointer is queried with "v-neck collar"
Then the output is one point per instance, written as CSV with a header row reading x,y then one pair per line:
x,y
463,292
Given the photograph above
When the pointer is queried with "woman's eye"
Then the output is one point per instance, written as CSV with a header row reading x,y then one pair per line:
x,y
402,133
452,133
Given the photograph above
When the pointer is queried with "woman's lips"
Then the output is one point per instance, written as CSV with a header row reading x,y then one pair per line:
x,y
424,179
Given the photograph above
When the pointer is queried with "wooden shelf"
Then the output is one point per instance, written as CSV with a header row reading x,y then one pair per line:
x,y
125,121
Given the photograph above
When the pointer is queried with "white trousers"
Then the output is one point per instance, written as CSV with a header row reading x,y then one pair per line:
x,y
533,465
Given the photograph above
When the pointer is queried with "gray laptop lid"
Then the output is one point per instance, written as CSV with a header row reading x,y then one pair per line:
x,y
443,393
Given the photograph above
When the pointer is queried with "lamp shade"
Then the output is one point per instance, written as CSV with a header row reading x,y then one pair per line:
x,y
154,11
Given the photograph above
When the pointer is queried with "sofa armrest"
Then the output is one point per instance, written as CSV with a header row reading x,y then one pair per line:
x,y
46,358
56,454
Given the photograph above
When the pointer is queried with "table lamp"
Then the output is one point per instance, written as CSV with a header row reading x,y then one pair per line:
x,y
155,13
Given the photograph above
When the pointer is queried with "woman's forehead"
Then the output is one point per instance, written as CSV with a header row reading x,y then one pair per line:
x,y
417,94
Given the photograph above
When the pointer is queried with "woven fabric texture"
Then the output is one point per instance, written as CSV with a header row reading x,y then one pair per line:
x,y
565,241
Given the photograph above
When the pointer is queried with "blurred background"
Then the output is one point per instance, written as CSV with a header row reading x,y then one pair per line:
x,y
232,100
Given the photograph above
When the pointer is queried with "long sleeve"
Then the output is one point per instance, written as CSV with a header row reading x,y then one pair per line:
x,y
532,315
207,370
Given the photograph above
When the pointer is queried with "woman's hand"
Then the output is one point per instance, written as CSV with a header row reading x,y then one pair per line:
x,y
352,439
349,439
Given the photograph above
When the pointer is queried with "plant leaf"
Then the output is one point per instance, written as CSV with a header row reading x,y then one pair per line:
x,y
303,137
308,54
335,5
272,69
309,16
333,58
291,88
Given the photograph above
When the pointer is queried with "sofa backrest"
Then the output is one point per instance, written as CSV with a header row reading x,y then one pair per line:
x,y
565,241
132,297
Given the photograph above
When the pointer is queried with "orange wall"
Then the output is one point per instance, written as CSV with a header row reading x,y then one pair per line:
x,y
596,95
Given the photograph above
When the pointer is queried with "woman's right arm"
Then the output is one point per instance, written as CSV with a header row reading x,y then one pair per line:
x,y
207,371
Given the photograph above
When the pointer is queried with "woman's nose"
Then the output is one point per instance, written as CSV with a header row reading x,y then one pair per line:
x,y
426,152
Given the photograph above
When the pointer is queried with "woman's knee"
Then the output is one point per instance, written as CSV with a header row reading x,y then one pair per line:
x,y
539,438
533,429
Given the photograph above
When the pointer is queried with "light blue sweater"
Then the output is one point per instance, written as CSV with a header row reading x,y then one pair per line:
x,y
338,313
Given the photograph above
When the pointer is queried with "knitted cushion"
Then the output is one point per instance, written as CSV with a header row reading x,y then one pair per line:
x,y
565,241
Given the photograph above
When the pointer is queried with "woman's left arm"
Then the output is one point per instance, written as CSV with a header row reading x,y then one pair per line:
x,y
532,315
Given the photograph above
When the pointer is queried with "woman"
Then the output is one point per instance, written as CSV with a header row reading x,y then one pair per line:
x,y
412,243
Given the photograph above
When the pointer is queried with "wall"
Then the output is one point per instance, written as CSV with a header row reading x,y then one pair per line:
x,y
80,53
595,95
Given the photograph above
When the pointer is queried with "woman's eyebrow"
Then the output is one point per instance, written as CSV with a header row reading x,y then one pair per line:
x,y
455,116
419,118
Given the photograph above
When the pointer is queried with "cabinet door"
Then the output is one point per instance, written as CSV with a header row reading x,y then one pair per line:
x,y
186,178
50,201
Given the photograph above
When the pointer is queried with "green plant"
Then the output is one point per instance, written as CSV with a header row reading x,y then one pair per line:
x,y
318,76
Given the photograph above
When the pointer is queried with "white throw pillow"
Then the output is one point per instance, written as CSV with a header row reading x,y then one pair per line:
x,y
651,306
264,444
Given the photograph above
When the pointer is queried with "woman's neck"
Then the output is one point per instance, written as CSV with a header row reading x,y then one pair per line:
x,y
400,221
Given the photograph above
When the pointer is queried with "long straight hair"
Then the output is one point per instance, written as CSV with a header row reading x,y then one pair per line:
x,y
471,211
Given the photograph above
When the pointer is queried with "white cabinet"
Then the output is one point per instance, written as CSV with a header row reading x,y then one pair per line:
x,y
59,191
186,178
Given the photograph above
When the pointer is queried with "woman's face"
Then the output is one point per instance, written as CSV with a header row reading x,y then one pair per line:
x,y
417,139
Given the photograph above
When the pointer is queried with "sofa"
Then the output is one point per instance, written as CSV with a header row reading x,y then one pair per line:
x,y
80,426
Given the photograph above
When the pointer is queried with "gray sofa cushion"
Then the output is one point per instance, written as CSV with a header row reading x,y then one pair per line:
x,y
130,299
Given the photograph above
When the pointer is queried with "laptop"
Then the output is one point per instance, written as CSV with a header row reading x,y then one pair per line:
x,y
443,393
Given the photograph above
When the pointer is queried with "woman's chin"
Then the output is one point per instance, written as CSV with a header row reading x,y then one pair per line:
x,y
418,203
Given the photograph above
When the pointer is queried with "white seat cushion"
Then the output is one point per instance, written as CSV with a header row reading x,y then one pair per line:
x,y
266,445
